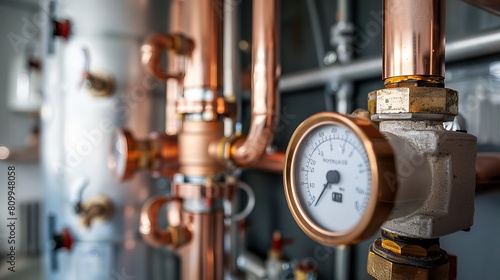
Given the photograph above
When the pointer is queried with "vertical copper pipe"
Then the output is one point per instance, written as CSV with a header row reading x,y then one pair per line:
x,y
265,73
414,40
204,27
175,64
202,257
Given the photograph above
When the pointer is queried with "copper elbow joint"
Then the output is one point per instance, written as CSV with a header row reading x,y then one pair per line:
x,y
175,235
156,44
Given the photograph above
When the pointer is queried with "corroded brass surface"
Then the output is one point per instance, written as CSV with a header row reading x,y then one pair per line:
x,y
426,100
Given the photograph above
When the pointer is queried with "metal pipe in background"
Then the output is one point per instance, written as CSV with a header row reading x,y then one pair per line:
x,y
344,10
231,64
474,46
413,40
230,55
231,92
492,6
316,32
342,262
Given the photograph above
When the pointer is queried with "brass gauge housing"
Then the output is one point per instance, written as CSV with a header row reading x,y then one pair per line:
x,y
347,159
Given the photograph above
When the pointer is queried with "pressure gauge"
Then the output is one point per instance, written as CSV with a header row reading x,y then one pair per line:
x,y
339,178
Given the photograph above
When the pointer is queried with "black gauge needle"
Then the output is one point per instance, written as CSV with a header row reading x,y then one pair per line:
x,y
332,177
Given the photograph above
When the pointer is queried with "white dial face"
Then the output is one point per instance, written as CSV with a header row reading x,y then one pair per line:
x,y
333,177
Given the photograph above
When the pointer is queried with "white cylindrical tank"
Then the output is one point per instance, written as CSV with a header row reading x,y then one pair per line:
x,y
78,119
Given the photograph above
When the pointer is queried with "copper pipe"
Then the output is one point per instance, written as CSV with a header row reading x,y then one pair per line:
x,y
272,162
203,256
414,40
175,64
488,167
149,223
158,43
265,73
204,27
173,236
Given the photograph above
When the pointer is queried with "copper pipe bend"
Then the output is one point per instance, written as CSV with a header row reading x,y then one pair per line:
x,y
153,47
265,96
175,235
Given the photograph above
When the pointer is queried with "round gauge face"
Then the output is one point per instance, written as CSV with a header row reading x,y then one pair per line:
x,y
332,177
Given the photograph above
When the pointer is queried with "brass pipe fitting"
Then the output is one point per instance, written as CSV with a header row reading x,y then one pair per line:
x,y
197,140
410,102
99,84
397,257
99,208
158,154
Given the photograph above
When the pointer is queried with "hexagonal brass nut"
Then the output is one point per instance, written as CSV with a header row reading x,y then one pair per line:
x,y
425,100
383,269
410,249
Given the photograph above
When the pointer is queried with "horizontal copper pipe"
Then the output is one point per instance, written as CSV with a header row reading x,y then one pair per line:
x,y
488,167
273,162
265,73
414,41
